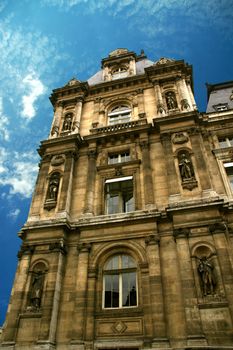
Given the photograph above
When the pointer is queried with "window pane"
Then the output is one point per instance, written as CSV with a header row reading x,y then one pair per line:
x,y
129,295
113,202
111,291
113,263
229,172
127,262
223,142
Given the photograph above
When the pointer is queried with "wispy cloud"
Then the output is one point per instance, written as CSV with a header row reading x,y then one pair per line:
x,y
35,89
4,123
13,214
158,14
18,172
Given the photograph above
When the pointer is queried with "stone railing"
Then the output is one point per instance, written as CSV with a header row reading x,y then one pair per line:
x,y
118,127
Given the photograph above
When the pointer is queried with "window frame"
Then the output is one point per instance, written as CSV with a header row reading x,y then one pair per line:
x,y
121,203
120,157
225,140
120,271
119,114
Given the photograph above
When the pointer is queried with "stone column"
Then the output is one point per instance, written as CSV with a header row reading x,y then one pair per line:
x,y
172,180
65,194
40,187
81,294
156,292
91,295
172,291
49,338
159,99
17,295
218,231
57,293
140,98
90,186
191,95
77,115
147,176
56,120
197,145
183,93
195,333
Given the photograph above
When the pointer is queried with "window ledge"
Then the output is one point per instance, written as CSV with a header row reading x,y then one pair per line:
x,y
131,311
119,165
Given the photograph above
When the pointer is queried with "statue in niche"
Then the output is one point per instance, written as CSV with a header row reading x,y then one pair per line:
x,y
53,187
186,167
37,289
171,100
205,269
67,122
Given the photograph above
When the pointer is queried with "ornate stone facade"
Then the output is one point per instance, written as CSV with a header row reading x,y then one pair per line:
x,y
128,243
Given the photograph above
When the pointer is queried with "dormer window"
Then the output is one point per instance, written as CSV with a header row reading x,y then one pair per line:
x,y
119,114
221,107
119,72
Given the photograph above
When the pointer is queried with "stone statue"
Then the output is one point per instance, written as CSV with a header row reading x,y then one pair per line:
x,y
186,168
53,187
67,122
36,290
205,269
171,100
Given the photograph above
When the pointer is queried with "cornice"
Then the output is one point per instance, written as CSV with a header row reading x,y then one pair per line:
x,y
80,89
74,140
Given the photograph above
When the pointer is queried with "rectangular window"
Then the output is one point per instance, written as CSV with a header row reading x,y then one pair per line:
x,y
229,171
119,195
225,141
118,158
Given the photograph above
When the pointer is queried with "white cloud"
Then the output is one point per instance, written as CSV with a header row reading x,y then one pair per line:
x,y
4,122
36,89
18,171
13,214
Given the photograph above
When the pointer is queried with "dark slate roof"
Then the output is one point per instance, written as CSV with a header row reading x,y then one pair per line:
x,y
219,95
140,66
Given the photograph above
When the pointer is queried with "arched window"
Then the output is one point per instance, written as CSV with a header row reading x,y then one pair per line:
x,y
120,282
119,114
119,72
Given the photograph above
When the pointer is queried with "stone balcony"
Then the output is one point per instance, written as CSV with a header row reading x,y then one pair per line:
x,y
117,127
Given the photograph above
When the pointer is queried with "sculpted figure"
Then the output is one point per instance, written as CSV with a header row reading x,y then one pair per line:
x,y
36,290
186,169
53,187
171,100
67,122
205,269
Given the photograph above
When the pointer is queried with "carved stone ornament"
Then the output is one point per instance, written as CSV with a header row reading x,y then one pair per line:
x,y
185,104
217,227
160,108
55,131
179,138
58,159
163,60
72,82
59,247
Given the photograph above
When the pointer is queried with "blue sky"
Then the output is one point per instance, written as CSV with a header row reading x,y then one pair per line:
x,y
45,43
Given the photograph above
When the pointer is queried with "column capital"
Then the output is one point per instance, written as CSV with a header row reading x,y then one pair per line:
x,y
84,247
58,247
218,227
181,233
25,249
152,239
144,144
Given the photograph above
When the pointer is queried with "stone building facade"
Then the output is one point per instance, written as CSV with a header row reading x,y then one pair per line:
x,y
128,242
